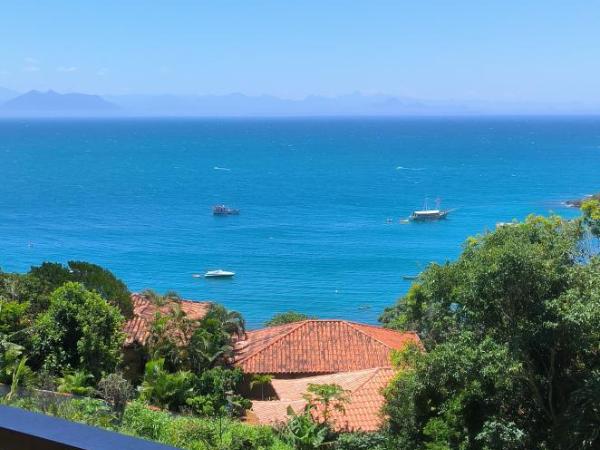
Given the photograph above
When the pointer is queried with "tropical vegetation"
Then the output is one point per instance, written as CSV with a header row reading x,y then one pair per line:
x,y
510,354
512,338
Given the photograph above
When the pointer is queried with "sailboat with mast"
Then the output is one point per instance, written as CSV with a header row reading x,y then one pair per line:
x,y
426,214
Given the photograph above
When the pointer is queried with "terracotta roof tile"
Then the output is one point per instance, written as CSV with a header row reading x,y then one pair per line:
x,y
318,346
362,412
137,329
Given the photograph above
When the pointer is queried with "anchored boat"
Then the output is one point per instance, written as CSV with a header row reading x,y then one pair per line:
x,y
218,274
427,214
222,210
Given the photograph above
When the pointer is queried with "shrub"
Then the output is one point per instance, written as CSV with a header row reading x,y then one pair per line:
x,y
197,433
116,391
361,441
78,383
164,389
215,392
302,432
86,410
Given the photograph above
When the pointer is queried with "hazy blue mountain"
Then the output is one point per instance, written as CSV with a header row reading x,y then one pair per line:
x,y
7,94
266,105
35,103
53,103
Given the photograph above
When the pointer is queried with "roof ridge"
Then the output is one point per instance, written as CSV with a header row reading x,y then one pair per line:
x,y
376,371
380,327
353,325
269,344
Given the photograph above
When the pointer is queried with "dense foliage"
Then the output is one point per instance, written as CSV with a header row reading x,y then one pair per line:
x,y
184,432
510,356
79,331
287,317
93,277
512,333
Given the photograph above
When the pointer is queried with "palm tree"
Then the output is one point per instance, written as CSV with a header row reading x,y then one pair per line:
x,y
231,321
161,300
18,376
207,348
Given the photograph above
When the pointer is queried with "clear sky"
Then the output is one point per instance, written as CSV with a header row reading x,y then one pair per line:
x,y
532,50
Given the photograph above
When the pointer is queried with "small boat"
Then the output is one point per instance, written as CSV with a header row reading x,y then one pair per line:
x,y
222,210
409,277
218,274
426,214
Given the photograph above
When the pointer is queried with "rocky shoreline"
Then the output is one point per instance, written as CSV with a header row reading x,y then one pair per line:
x,y
577,202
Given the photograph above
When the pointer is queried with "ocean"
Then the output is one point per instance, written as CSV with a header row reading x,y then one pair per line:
x,y
315,196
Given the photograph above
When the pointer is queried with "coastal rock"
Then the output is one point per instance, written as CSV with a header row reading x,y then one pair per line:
x,y
577,202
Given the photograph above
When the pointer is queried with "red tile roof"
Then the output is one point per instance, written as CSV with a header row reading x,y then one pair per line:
x,y
137,329
362,412
319,346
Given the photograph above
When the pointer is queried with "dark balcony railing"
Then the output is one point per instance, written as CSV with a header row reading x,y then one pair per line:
x,y
24,430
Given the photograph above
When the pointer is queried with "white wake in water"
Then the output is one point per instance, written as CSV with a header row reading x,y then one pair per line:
x,y
409,168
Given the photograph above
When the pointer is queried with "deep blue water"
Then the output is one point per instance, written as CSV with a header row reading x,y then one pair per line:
x,y
136,196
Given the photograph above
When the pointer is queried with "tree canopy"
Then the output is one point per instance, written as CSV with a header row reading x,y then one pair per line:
x,y
287,317
92,276
512,337
79,331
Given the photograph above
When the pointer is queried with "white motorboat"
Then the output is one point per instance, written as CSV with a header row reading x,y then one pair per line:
x,y
218,274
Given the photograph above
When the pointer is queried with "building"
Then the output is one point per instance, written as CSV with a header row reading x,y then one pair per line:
x,y
355,356
137,329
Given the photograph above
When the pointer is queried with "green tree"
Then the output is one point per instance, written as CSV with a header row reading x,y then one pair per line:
x,y
215,393
92,276
591,214
231,322
24,289
511,330
161,299
13,316
325,399
212,342
209,346
287,317
170,334
79,331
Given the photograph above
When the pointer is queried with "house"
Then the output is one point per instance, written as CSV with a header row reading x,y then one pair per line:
x,y
355,356
137,329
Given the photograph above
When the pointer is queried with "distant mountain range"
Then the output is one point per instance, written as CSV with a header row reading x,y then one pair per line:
x,y
267,105
53,103
7,94
50,103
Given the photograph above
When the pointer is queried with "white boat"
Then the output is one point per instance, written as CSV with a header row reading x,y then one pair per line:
x,y
218,274
427,214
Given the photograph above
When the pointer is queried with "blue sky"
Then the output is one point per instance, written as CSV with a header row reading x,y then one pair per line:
x,y
546,51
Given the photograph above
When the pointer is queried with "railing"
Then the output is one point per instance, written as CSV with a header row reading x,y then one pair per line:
x,y
24,430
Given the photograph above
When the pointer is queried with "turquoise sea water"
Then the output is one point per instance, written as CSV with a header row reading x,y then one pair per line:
x,y
136,196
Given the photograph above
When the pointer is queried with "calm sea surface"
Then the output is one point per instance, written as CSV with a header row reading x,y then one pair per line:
x,y
136,196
